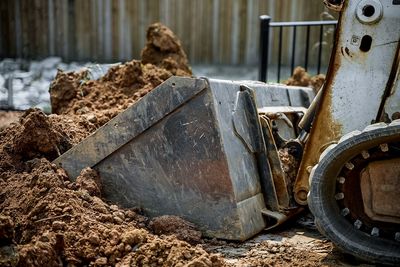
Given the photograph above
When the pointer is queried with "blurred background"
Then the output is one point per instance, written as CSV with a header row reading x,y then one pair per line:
x,y
220,37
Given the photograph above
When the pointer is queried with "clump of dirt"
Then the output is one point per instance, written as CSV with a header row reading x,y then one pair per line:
x,y
301,78
290,166
174,225
65,88
8,117
164,49
37,135
100,100
48,220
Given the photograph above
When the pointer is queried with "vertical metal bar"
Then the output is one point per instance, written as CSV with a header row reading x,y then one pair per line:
x,y
293,49
279,54
307,47
321,31
10,96
264,47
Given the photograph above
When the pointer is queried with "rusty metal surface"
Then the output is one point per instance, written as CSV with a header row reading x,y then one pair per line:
x,y
380,189
390,108
176,152
129,124
278,174
355,83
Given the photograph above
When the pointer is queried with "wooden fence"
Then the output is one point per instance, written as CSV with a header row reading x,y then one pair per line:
x,y
212,31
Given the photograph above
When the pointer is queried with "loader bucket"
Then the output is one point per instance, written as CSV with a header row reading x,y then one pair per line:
x,y
182,150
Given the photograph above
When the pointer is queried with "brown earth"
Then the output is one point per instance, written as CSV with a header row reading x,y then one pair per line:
x,y
47,220
100,100
301,78
169,224
8,117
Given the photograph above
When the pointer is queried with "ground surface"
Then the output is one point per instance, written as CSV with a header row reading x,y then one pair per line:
x,y
296,244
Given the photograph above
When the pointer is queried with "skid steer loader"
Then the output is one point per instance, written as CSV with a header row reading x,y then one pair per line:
x,y
208,150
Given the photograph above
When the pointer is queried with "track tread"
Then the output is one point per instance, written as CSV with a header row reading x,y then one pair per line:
x,y
322,186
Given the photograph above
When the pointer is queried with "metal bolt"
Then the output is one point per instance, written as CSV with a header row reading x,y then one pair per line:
x,y
345,212
341,180
375,231
309,168
365,154
384,147
339,196
302,194
349,165
357,224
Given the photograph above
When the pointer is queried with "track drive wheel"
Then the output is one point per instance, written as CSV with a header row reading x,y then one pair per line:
x,y
355,193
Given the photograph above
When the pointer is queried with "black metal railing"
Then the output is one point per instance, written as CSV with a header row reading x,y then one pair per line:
x,y
266,24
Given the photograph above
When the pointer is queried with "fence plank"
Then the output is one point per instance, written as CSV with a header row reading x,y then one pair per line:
x,y
212,31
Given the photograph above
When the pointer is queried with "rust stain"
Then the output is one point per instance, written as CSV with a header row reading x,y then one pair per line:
x,y
325,129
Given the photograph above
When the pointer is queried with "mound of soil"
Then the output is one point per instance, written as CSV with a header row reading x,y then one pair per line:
x,y
164,49
301,78
100,100
48,220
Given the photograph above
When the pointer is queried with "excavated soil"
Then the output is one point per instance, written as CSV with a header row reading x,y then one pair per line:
x,y
100,100
47,220
301,78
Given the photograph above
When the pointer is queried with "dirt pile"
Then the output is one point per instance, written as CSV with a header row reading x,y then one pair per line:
x,y
100,100
37,135
164,49
48,220
58,222
301,78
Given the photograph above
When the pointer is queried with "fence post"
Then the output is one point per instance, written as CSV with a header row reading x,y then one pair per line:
x,y
9,86
264,47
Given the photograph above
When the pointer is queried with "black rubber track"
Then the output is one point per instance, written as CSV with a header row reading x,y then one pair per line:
x,y
323,204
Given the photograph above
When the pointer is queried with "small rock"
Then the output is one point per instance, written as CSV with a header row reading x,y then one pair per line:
x,y
119,214
128,248
92,118
134,237
114,207
94,239
58,225
121,247
101,261
117,220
